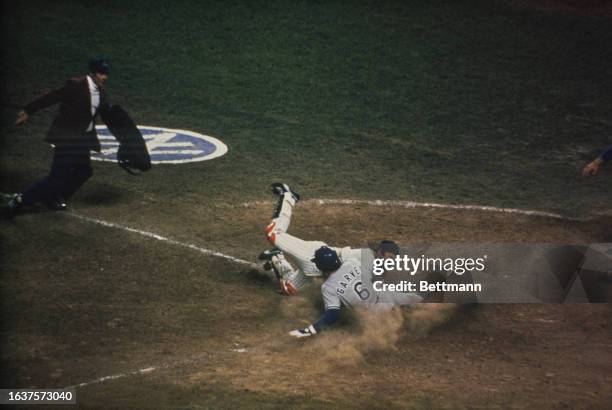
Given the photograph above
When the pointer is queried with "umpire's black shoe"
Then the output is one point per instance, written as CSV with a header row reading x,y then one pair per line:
x,y
279,188
57,204
13,206
268,254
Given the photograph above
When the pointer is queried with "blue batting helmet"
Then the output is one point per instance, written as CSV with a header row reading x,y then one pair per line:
x,y
326,259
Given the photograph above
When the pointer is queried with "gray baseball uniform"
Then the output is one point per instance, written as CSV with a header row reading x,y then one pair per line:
x,y
352,286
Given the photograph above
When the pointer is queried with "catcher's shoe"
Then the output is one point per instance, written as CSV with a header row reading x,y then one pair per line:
x,y
279,188
13,206
287,287
268,254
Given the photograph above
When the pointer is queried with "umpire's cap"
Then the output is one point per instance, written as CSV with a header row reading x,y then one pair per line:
x,y
326,259
99,65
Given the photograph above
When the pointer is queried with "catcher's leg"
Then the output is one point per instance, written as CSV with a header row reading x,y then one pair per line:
x,y
281,218
297,251
291,280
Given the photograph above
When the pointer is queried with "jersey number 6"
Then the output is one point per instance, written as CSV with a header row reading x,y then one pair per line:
x,y
363,294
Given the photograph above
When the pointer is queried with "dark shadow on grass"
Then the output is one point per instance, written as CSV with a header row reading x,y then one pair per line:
x,y
102,194
28,210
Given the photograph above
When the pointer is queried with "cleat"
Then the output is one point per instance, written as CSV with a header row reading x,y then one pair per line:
x,y
13,206
278,188
287,288
57,204
268,254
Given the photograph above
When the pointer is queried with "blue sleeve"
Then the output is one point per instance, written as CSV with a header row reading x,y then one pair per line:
x,y
328,318
607,154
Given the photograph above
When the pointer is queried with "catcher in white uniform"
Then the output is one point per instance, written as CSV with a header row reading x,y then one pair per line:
x,y
292,258
346,284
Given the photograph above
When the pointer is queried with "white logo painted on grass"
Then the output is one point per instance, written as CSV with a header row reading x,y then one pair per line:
x,y
166,146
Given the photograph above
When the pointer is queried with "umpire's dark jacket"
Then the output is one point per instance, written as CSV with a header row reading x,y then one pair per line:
x,y
70,126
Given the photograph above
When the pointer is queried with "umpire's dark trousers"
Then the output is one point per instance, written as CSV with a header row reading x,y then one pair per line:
x,y
70,168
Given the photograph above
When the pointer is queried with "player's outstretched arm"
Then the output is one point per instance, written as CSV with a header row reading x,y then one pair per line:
x,y
43,101
329,317
593,167
307,331
47,99
22,117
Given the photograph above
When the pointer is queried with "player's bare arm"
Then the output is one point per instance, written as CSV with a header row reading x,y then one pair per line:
x,y
22,117
329,318
593,167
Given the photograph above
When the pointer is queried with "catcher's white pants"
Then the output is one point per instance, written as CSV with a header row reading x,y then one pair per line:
x,y
294,264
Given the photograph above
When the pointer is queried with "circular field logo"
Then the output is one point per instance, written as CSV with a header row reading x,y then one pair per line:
x,y
166,146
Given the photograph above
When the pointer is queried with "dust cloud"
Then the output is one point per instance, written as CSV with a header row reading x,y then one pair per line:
x,y
375,330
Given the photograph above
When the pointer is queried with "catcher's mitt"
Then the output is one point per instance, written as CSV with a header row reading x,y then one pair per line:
x,y
132,152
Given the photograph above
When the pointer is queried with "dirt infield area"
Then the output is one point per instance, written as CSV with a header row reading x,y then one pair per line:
x,y
179,329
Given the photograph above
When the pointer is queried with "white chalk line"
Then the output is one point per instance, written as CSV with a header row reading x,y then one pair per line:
x,y
151,369
114,376
163,239
413,204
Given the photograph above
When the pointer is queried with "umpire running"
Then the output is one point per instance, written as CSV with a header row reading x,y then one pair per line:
x,y
72,134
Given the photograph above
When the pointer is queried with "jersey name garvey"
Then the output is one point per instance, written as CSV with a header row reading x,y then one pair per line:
x,y
345,286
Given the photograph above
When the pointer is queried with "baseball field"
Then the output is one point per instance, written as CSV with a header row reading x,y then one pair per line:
x,y
422,122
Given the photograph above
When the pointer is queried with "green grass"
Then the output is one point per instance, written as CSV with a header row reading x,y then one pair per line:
x,y
462,103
